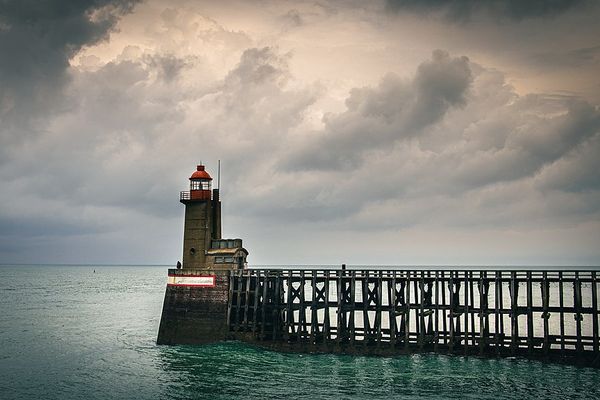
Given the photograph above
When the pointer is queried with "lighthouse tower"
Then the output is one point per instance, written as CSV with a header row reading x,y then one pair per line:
x,y
203,246
201,287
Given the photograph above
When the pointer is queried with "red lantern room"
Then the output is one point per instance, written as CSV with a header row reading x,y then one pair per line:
x,y
200,183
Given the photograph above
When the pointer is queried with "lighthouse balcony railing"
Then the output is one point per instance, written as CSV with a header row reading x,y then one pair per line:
x,y
188,195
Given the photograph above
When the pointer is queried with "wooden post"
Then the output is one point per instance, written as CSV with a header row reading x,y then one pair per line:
x,y
378,308
276,313
436,333
407,313
416,307
578,315
365,294
302,332
265,300
238,298
289,312
340,327
256,276
451,313
545,285
419,296
501,297
467,309
483,299
444,316
562,312
230,298
246,301
392,313
595,312
529,286
326,319
514,320
351,323
430,311
458,310
314,320
497,315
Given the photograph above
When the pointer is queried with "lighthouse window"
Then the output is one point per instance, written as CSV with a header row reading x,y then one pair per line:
x,y
226,244
222,260
199,185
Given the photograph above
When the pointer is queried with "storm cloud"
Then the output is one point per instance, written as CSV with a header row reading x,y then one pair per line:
x,y
37,39
395,110
491,137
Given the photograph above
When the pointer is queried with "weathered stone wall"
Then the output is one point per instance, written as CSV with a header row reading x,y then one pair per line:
x,y
196,233
195,315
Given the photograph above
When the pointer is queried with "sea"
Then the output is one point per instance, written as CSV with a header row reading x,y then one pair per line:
x,y
89,332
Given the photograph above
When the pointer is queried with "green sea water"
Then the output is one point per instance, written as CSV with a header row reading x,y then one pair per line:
x,y
67,332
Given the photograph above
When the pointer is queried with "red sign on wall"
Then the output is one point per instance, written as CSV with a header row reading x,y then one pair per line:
x,y
192,280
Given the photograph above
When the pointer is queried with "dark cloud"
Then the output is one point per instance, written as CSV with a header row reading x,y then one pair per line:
x,y
533,137
577,171
480,150
547,139
168,66
465,10
440,84
378,117
259,66
37,39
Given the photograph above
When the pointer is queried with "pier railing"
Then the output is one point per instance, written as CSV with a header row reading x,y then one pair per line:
x,y
530,313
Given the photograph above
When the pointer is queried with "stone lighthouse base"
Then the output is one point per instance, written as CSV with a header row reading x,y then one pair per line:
x,y
195,307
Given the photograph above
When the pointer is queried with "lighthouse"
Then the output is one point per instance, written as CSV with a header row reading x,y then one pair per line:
x,y
203,246
195,306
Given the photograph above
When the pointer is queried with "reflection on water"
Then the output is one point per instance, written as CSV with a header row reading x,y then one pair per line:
x,y
70,333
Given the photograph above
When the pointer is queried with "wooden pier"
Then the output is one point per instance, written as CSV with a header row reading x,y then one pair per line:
x,y
537,314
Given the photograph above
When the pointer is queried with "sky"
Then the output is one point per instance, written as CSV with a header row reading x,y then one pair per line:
x,y
396,132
